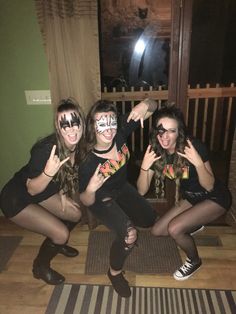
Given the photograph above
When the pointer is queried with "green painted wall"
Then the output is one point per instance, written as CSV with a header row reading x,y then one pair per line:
x,y
23,67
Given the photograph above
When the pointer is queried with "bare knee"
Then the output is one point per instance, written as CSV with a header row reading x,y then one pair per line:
x,y
131,237
76,216
106,199
158,231
174,229
60,235
72,214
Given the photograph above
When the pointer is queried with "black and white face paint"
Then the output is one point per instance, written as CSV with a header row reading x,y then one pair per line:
x,y
70,127
161,130
69,120
106,122
167,133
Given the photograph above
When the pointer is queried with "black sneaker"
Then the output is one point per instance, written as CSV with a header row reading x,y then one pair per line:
x,y
120,284
198,229
187,270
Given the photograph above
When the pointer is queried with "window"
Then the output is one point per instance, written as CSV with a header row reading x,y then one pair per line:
x,y
134,43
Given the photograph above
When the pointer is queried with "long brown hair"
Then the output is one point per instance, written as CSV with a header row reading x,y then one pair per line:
x,y
172,112
67,175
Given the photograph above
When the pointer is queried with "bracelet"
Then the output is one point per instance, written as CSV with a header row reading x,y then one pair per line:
x,y
47,174
144,169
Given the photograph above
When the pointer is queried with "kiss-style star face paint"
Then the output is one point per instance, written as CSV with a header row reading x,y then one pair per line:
x,y
161,130
167,133
106,122
70,127
69,120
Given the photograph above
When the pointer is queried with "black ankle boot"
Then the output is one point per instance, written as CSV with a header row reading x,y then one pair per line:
x,y
47,274
120,284
68,251
41,265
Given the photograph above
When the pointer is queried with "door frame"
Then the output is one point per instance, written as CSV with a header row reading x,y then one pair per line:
x,y
181,26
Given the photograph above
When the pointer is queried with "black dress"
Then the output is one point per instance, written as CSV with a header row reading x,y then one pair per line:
x,y
14,196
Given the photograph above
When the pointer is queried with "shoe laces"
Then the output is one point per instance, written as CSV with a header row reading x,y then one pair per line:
x,y
186,266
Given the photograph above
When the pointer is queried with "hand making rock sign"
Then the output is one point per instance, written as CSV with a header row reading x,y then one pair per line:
x,y
200,198
104,187
54,163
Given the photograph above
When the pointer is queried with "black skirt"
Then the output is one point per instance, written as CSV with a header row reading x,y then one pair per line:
x,y
220,195
14,196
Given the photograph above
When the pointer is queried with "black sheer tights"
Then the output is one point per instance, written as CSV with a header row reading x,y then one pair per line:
x,y
37,219
180,226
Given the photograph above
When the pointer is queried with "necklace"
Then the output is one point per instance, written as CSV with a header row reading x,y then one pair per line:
x,y
106,150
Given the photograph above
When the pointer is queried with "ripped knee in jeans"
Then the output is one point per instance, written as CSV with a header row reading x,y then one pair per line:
x,y
131,237
107,201
131,232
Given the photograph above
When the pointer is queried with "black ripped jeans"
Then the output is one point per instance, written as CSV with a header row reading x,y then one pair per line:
x,y
119,211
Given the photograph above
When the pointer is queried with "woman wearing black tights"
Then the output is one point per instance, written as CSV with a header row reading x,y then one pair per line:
x,y
39,197
200,197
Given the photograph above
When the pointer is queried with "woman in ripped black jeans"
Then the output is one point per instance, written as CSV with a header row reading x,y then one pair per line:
x,y
103,185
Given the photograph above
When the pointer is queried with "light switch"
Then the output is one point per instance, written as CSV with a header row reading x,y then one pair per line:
x,y
38,97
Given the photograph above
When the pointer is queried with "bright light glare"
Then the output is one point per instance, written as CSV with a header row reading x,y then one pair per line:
x,y
139,47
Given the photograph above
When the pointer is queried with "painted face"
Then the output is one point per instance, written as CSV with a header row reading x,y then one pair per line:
x,y
106,125
167,133
70,127
106,122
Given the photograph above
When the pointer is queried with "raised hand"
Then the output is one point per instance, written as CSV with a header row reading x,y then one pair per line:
x,y
138,113
149,158
191,155
96,180
53,163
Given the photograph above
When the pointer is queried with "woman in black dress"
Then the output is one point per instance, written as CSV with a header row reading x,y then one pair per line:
x,y
39,197
200,197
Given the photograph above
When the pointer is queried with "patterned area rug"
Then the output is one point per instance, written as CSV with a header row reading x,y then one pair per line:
x,y
8,244
94,299
152,255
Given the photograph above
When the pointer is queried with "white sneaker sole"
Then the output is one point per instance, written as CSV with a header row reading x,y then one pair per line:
x,y
185,277
197,231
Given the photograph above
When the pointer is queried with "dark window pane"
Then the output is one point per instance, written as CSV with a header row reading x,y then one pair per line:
x,y
213,45
134,43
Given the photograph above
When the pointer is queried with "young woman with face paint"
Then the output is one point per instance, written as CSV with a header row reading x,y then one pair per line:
x,y
40,196
200,198
103,184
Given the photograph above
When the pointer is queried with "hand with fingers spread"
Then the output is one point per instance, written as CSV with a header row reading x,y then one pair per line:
x,y
149,158
53,163
96,181
191,155
138,113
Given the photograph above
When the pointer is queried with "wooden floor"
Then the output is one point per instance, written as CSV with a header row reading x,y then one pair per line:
x,y
21,293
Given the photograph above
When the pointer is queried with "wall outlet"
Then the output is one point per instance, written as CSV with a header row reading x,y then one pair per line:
x,y
38,97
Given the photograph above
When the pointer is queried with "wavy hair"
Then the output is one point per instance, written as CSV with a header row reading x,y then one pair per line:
x,y
99,106
67,175
171,112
